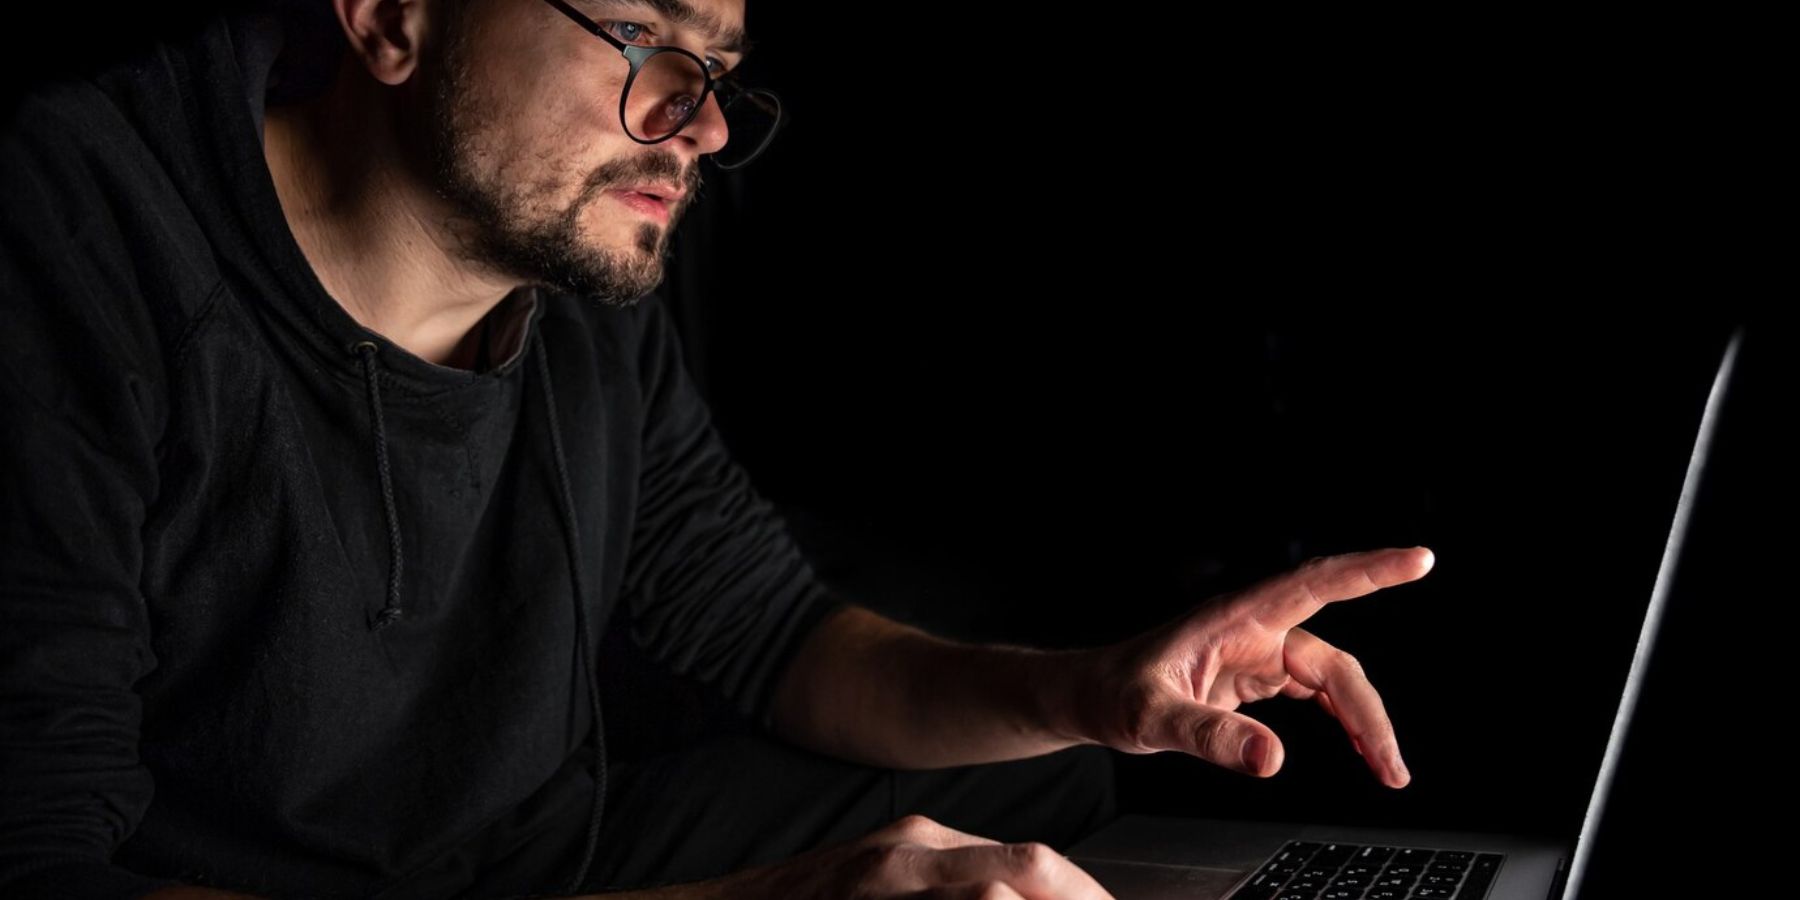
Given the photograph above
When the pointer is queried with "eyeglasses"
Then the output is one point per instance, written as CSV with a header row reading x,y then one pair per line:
x,y
672,84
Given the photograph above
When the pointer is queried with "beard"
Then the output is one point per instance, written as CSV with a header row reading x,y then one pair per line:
x,y
500,225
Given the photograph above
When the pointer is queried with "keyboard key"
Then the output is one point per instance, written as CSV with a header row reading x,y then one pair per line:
x,y
1374,856
1255,892
1412,856
1301,849
1264,884
1334,855
1481,874
1308,870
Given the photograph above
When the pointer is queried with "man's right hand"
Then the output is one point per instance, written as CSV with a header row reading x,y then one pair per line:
x,y
913,858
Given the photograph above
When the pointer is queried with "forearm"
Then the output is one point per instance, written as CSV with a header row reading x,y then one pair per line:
x,y
871,690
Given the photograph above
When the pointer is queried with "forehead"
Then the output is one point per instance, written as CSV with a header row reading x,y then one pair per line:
x,y
719,22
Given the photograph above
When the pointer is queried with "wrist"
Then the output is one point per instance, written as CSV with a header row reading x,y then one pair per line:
x,y
1060,683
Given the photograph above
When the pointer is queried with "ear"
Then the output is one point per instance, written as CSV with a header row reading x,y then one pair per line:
x,y
386,35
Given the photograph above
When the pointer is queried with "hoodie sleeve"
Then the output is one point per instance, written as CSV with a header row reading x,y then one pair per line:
x,y
80,398
715,585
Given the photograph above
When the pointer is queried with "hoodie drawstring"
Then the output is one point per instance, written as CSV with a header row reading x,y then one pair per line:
x,y
391,612
572,544
572,539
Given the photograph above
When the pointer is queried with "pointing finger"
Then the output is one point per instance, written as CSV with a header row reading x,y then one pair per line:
x,y
1290,598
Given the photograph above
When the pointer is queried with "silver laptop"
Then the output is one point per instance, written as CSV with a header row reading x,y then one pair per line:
x,y
1153,857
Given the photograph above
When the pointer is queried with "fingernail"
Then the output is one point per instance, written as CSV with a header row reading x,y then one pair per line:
x,y
1256,752
1400,767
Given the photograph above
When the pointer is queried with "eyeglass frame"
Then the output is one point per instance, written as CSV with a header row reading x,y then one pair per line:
x,y
732,93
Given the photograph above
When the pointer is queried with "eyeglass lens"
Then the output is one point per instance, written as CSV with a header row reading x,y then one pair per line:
x,y
662,101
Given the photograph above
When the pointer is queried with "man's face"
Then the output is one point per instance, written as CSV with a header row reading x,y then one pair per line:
x,y
521,134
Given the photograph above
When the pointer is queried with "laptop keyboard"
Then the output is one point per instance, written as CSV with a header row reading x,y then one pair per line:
x,y
1315,871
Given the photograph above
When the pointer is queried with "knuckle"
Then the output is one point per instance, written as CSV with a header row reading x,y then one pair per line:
x,y
914,826
1033,859
1214,738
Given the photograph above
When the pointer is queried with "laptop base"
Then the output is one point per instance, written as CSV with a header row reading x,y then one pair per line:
x,y
1140,857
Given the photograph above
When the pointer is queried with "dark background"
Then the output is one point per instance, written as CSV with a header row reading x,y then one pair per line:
x,y
1043,329
1043,333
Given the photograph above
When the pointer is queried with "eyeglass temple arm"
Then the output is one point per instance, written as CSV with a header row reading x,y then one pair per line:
x,y
589,25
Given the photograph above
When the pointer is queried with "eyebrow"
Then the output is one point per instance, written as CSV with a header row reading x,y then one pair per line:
x,y
730,40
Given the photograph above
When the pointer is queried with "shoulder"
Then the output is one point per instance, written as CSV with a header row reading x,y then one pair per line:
x,y
114,193
60,135
71,156
94,238
70,176
130,139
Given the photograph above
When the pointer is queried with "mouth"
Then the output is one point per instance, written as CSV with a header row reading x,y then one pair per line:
x,y
651,205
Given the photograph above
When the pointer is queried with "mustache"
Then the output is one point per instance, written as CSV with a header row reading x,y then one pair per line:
x,y
656,168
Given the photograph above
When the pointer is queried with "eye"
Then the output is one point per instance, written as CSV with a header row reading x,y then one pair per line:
x,y
634,31
622,35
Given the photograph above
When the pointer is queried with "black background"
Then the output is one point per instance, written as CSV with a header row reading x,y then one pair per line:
x,y
1042,329
1039,353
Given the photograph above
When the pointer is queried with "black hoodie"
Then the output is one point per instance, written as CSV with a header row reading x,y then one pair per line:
x,y
283,607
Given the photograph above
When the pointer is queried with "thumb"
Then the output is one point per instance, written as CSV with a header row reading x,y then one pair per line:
x,y
1224,738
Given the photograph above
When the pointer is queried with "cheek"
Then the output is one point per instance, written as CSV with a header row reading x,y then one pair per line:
x,y
566,89
596,105
570,128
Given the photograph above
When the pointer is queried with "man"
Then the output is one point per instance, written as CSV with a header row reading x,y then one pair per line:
x,y
331,454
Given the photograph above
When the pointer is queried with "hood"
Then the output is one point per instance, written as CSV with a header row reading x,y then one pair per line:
x,y
199,105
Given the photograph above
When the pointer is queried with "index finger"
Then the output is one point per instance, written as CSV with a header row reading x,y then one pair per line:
x,y
1290,598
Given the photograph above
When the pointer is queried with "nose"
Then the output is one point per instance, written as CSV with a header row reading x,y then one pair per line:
x,y
707,131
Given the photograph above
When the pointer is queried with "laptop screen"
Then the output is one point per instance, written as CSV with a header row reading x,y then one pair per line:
x,y
1608,833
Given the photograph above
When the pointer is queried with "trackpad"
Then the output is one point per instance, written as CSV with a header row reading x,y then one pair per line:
x,y
1151,881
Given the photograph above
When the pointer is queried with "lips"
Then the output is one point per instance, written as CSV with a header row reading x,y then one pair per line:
x,y
644,203
667,193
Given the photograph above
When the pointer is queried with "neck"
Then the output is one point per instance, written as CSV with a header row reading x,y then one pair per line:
x,y
374,233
